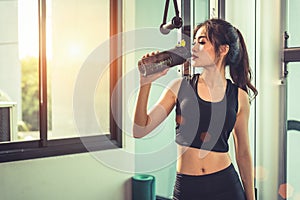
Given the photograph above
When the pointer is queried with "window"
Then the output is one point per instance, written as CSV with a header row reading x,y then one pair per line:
x,y
54,93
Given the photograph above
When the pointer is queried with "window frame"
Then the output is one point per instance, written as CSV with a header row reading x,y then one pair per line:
x,y
23,150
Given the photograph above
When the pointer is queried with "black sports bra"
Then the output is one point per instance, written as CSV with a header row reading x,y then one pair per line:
x,y
202,124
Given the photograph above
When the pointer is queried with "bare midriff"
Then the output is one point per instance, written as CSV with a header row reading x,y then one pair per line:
x,y
192,161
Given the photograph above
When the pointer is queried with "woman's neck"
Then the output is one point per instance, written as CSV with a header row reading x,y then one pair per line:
x,y
214,77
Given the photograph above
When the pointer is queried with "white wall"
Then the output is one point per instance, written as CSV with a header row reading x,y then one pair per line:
x,y
75,177
269,118
141,35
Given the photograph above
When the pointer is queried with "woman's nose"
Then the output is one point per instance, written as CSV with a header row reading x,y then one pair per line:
x,y
194,48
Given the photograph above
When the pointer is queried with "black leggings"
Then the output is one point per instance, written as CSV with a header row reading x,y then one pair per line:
x,y
221,185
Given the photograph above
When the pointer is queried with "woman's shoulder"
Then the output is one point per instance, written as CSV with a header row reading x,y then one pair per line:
x,y
243,95
175,85
243,100
179,84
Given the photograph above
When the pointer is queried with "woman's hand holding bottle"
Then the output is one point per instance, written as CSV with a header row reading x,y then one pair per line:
x,y
150,78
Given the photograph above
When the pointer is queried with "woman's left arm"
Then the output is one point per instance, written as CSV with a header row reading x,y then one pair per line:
x,y
242,146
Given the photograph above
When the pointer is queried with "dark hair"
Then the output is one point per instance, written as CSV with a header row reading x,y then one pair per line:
x,y
221,32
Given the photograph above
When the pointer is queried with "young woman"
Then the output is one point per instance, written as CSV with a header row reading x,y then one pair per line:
x,y
209,108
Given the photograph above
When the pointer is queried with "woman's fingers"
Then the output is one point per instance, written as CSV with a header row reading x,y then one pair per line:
x,y
150,54
152,77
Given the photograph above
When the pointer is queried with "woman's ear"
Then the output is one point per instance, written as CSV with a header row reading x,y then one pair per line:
x,y
224,49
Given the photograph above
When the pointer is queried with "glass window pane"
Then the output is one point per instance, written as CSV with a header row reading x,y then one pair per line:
x,y
293,109
19,91
293,7
75,29
293,114
201,11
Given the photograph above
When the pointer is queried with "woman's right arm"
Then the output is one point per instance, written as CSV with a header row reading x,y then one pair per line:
x,y
141,118
144,121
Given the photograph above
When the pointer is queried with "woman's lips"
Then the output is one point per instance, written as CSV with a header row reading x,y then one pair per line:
x,y
194,57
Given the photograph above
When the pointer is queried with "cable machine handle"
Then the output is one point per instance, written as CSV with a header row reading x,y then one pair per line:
x,y
176,22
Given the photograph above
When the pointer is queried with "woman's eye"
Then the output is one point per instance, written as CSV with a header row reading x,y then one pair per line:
x,y
202,43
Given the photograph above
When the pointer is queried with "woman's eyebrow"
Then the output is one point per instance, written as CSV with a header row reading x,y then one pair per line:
x,y
202,36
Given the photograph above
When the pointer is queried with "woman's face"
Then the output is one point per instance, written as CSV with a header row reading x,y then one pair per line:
x,y
203,52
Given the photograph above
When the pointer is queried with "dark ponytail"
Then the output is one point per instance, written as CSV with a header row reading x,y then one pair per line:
x,y
240,70
221,32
